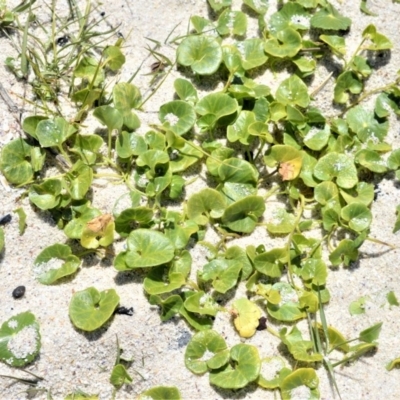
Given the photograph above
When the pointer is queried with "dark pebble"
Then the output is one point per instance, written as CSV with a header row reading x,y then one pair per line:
x,y
262,324
124,311
6,219
18,292
63,40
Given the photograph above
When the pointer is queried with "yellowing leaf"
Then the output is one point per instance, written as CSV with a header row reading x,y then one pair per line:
x,y
247,316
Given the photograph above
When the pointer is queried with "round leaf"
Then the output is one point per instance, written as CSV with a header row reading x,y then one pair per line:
x,y
55,262
19,340
357,215
202,53
89,309
293,91
177,115
304,382
148,248
247,365
247,317
252,53
286,44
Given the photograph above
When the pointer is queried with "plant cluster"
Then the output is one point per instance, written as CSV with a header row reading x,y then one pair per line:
x,y
247,138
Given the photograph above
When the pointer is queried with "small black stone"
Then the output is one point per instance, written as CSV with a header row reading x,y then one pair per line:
x,y
6,219
262,324
124,311
102,14
63,40
18,292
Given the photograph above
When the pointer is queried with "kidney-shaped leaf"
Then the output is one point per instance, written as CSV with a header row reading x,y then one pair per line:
x,y
247,365
55,262
204,204
293,91
299,380
286,44
54,132
19,340
202,53
177,115
148,248
89,309
357,215
207,350
247,317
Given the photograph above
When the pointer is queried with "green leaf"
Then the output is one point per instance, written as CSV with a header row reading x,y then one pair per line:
x,y
377,40
232,22
81,214
357,215
371,160
47,195
128,218
80,178
14,162
252,53
125,97
371,334
21,220
109,116
1,239
177,115
185,90
201,303
286,44
148,248
270,373
19,340
238,171
89,309
130,143
246,368
242,216
54,132
87,146
357,307
365,10
89,69
367,128
329,18
291,15
392,364
223,273
119,376
339,166
114,58
271,262
362,193
98,232
392,299
317,139
240,129
217,5
289,308
299,380
247,315
202,53
293,91
206,344
30,124
281,222
289,158
55,262
161,393
336,43
259,6
346,82
159,281
206,204
301,350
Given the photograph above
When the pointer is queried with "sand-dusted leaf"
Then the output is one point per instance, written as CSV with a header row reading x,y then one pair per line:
x,y
259,6
293,91
223,273
242,215
287,43
301,378
246,317
161,393
148,248
87,146
317,139
54,132
46,195
19,339
119,376
201,303
206,344
205,204
15,164
109,116
346,82
367,128
159,280
289,308
89,309
291,15
202,53
232,22
270,372
252,53
177,115
246,368
55,262
281,222
339,166
371,160
329,18
185,90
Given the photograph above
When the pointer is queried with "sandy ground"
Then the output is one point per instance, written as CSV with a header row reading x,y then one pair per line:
x,y
70,359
